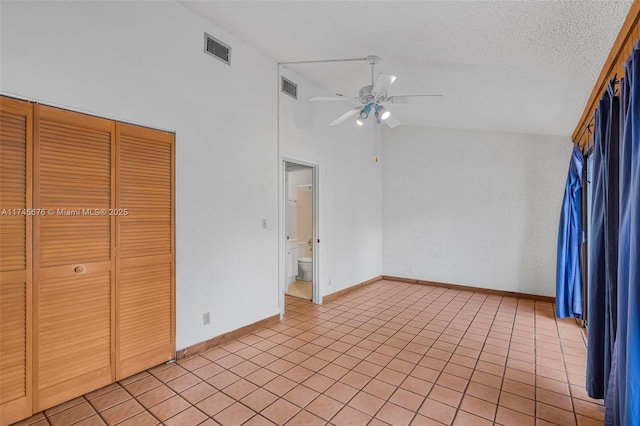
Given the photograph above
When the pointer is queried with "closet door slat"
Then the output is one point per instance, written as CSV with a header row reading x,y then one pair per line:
x,y
146,313
87,254
73,255
16,121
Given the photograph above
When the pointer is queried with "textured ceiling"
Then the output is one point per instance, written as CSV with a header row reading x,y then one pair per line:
x,y
520,66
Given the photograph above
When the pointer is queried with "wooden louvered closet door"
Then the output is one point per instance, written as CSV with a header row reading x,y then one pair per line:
x,y
74,258
146,313
87,254
15,259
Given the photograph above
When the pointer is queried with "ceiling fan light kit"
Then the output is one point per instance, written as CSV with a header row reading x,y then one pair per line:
x,y
364,112
384,114
372,97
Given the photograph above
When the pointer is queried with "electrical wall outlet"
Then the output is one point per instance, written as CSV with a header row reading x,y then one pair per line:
x,y
206,318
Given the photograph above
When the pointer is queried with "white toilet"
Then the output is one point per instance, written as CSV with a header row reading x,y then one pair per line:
x,y
305,269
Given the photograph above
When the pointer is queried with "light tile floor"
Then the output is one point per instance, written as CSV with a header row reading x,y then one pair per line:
x,y
389,353
302,289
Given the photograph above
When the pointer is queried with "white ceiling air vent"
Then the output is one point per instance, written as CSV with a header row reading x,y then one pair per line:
x,y
217,49
290,88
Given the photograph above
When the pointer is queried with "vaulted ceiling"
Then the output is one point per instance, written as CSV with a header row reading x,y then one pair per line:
x,y
516,66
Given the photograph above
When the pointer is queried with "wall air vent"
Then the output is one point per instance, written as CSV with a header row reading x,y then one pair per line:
x,y
290,88
217,49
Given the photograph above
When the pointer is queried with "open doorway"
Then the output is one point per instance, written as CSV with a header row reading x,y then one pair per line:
x,y
300,231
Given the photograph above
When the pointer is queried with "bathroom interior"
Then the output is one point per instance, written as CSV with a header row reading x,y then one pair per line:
x,y
299,226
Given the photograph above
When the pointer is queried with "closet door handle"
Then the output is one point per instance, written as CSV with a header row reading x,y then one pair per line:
x,y
78,269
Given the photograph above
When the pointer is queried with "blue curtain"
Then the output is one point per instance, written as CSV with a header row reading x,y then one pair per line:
x,y
568,273
622,402
603,245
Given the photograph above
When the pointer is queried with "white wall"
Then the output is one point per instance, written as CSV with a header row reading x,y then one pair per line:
x,y
460,207
349,187
473,208
293,179
144,62
298,177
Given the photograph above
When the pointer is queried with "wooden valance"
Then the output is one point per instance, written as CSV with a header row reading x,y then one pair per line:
x,y
614,66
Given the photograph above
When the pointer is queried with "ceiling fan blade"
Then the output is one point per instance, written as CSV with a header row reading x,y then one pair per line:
x,y
406,99
331,99
392,121
382,84
344,116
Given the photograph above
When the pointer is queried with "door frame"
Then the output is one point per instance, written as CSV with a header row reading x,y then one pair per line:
x,y
282,230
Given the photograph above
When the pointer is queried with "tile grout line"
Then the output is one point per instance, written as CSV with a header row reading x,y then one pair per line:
x,y
566,373
407,321
389,337
422,357
457,345
281,375
387,322
148,410
505,366
474,365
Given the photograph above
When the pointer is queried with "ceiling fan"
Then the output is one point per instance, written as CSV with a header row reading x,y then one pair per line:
x,y
372,97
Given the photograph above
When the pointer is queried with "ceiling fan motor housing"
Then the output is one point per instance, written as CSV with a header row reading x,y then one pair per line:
x,y
364,95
